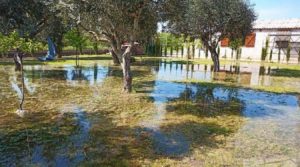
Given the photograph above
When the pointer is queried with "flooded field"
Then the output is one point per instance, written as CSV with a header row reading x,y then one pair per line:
x,y
180,114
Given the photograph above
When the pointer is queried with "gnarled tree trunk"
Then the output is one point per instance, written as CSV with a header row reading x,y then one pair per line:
x,y
124,60
126,70
59,46
215,58
115,58
212,47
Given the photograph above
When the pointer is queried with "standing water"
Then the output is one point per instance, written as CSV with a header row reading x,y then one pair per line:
x,y
196,122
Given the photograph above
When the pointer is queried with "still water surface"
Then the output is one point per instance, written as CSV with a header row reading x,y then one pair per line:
x,y
272,126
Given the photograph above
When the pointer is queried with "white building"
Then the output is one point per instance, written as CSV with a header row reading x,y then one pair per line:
x,y
283,35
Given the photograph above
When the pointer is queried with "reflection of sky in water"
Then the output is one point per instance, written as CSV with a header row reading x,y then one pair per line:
x,y
171,144
255,103
93,75
17,89
63,156
164,91
261,108
172,71
276,106
30,87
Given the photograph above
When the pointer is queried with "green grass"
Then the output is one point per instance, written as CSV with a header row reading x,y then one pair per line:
x,y
224,62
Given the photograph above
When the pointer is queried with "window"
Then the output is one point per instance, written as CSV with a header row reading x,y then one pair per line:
x,y
282,44
250,40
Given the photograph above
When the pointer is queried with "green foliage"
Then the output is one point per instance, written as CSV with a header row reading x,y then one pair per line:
x,y
30,46
154,48
4,44
75,39
24,15
13,40
168,39
165,50
211,20
271,55
264,51
236,43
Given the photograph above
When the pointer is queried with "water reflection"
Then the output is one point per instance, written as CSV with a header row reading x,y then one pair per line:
x,y
73,75
171,144
272,119
271,127
49,147
241,73
77,150
94,75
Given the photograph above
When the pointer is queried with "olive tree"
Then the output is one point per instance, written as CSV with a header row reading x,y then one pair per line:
x,y
27,16
116,21
211,21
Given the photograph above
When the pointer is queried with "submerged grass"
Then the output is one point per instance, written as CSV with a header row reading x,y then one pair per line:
x,y
115,139
278,88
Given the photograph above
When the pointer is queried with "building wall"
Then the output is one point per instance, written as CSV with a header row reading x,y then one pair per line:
x,y
254,53
251,53
248,53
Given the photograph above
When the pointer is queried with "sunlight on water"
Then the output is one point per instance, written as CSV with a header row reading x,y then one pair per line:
x,y
57,131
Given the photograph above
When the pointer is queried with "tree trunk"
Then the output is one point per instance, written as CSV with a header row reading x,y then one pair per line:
x,y
115,58
23,87
215,59
59,46
126,70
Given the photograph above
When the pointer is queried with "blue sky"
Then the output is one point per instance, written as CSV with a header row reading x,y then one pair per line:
x,y
277,9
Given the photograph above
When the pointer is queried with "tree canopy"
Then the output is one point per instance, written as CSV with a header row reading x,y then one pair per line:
x,y
213,20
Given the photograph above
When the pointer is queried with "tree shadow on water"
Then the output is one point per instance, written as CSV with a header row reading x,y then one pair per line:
x,y
203,101
92,139
177,140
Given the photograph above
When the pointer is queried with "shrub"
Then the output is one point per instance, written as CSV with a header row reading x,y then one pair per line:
x,y
271,55
299,56
265,49
263,54
13,40
75,39
279,54
288,53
